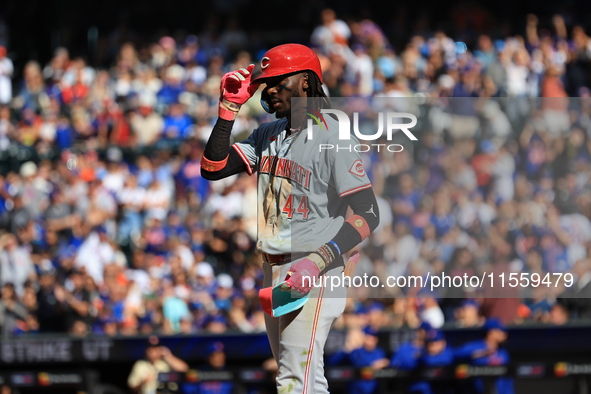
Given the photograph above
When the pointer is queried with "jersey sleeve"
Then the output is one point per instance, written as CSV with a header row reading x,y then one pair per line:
x,y
405,358
247,150
347,170
465,351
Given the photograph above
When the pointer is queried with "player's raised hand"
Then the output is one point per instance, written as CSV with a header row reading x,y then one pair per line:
x,y
235,90
354,340
236,87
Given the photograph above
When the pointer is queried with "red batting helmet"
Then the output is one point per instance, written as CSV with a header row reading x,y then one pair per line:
x,y
286,59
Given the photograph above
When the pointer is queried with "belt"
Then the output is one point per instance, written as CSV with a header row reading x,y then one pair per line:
x,y
278,259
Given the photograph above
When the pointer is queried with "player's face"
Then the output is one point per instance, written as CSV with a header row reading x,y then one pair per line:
x,y
281,89
436,347
370,342
217,360
500,336
153,354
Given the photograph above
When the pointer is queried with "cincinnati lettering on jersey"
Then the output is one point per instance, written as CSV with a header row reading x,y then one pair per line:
x,y
285,168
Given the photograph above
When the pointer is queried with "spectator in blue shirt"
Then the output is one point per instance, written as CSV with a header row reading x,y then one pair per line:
x,y
177,124
64,134
437,354
189,175
368,355
488,352
408,354
173,85
175,227
216,361
406,199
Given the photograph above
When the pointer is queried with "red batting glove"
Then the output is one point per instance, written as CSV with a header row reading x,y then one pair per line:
x,y
303,268
235,90
308,267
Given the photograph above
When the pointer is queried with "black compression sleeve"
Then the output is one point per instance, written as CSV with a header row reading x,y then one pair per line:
x,y
218,145
218,149
364,204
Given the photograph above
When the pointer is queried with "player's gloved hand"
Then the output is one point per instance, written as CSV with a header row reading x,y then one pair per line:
x,y
309,267
235,90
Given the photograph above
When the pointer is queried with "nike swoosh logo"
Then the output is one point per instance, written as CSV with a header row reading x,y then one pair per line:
x,y
273,138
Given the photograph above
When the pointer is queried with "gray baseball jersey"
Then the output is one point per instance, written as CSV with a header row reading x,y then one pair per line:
x,y
299,186
300,209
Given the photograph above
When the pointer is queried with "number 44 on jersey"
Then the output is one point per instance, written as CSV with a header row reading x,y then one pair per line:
x,y
290,210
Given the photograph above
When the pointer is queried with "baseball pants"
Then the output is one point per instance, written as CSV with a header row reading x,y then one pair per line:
x,y
297,339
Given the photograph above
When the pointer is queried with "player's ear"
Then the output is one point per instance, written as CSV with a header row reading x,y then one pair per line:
x,y
306,81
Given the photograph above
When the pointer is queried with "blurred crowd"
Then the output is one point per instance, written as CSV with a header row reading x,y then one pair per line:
x,y
108,227
425,362
427,351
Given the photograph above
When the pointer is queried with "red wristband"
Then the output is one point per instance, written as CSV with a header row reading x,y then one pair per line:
x,y
225,113
360,225
210,165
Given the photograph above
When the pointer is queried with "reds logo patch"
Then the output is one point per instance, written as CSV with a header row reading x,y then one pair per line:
x,y
265,62
357,168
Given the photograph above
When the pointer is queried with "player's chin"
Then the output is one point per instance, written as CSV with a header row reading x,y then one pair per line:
x,y
282,114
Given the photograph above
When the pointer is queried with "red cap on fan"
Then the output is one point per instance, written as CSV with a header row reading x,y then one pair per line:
x,y
287,59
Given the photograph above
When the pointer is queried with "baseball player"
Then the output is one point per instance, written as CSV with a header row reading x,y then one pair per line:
x,y
303,198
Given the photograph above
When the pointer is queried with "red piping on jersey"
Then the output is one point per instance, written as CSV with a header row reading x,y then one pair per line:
x,y
355,189
312,340
244,159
